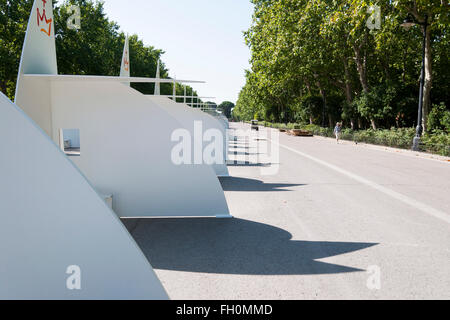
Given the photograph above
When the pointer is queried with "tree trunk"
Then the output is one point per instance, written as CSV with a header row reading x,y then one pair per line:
x,y
324,97
428,80
348,84
361,66
308,86
412,9
348,89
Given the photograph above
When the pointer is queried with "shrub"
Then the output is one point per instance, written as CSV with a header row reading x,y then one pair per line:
x,y
290,126
278,125
439,118
437,142
376,104
311,107
347,134
312,128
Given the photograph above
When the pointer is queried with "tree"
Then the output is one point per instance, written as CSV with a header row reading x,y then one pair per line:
x,y
226,107
439,118
364,75
14,16
95,49
438,16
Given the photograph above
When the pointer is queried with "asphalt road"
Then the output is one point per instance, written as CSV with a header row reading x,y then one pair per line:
x,y
330,222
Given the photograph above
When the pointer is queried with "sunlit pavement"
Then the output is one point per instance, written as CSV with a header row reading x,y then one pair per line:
x,y
336,222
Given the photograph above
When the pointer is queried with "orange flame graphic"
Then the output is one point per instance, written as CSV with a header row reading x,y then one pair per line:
x,y
47,21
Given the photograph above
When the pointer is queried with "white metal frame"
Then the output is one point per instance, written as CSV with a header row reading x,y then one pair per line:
x,y
125,139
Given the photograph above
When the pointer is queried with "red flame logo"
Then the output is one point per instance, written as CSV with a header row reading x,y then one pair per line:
x,y
41,18
126,62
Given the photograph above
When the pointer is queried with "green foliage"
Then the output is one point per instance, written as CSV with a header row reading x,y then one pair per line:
x,y
437,142
312,108
334,105
376,104
277,125
95,49
318,130
13,23
323,49
226,108
399,138
349,111
439,118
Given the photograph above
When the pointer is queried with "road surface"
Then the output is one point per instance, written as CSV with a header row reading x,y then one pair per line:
x,y
334,222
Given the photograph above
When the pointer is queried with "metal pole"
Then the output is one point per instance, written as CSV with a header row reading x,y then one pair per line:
x,y
419,128
174,91
158,84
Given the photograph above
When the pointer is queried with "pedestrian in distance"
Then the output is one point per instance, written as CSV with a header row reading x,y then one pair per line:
x,y
337,131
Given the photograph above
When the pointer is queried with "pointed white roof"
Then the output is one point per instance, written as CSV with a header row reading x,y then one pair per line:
x,y
125,67
158,76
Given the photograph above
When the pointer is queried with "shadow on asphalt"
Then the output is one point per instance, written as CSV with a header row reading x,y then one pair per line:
x,y
245,184
240,153
234,246
246,164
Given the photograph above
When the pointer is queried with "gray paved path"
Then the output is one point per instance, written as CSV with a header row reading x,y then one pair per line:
x,y
320,228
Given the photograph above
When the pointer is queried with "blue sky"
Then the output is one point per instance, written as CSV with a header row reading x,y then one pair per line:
x,y
202,39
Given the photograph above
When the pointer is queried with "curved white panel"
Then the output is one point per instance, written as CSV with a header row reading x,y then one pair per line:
x,y
221,170
183,114
52,219
187,117
125,141
126,151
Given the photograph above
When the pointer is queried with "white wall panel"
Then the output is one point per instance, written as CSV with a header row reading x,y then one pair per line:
x,y
51,218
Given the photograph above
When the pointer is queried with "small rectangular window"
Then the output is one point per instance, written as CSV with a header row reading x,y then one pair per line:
x,y
70,142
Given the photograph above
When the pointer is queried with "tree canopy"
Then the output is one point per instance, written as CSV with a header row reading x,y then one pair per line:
x,y
95,49
322,61
226,107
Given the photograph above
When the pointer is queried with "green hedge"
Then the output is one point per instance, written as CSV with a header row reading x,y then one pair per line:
x,y
437,142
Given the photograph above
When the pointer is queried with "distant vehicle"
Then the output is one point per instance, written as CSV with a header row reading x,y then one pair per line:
x,y
255,125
